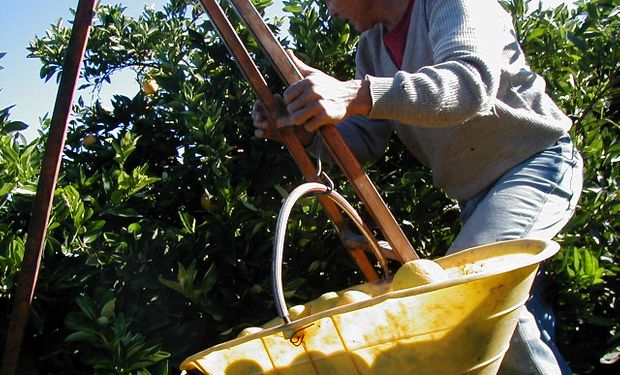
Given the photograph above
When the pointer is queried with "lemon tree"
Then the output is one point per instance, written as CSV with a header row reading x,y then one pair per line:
x,y
139,271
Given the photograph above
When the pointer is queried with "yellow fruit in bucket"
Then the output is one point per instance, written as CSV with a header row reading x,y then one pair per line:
x,y
418,272
372,288
249,331
352,296
277,321
325,302
330,300
298,312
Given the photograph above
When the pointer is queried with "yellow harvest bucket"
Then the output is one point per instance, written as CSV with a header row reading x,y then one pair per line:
x,y
459,326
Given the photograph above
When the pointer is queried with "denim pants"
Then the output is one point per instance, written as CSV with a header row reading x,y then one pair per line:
x,y
535,200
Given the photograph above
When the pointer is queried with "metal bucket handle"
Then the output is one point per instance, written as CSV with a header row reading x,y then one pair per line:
x,y
280,233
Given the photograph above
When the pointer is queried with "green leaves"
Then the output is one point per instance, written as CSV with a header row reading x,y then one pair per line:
x,y
131,184
582,267
187,284
130,235
108,344
12,247
14,126
19,170
323,42
124,148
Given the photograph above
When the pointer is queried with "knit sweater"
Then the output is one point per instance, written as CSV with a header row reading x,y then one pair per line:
x,y
465,103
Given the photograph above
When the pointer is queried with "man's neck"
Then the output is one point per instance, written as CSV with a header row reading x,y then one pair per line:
x,y
392,12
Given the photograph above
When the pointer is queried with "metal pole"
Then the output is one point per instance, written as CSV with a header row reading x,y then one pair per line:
x,y
47,184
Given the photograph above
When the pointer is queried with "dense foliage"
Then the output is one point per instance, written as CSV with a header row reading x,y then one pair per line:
x,y
160,238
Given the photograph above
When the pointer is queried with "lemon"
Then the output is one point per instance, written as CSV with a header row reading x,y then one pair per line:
x,y
372,288
89,140
298,311
325,302
352,296
249,331
206,202
418,272
330,300
277,321
150,86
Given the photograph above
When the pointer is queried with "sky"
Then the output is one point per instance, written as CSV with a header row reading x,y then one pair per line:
x,y
20,85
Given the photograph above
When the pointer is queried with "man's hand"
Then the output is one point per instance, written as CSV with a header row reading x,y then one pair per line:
x,y
260,120
262,128
320,99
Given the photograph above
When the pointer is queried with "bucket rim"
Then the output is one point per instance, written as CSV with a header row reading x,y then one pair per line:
x,y
540,251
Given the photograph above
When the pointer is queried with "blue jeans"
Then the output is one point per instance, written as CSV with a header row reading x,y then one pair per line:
x,y
535,200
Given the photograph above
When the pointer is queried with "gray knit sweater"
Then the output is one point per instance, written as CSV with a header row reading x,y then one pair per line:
x,y
466,103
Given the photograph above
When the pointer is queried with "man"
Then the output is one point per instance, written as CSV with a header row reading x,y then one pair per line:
x,y
449,78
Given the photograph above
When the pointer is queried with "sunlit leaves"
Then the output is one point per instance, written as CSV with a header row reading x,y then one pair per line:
x,y
129,236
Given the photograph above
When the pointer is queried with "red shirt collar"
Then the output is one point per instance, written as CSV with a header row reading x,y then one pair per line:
x,y
396,39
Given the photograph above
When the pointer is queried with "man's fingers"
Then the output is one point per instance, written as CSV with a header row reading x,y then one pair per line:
x,y
261,123
264,130
310,112
259,133
299,117
314,124
297,94
293,92
303,68
258,111
309,118
284,121
280,102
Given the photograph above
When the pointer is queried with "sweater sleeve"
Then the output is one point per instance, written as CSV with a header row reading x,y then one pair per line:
x,y
466,40
366,138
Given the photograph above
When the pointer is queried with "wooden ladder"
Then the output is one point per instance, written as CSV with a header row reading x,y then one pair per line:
x,y
401,249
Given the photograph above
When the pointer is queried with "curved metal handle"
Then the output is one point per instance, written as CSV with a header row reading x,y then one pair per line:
x,y
278,245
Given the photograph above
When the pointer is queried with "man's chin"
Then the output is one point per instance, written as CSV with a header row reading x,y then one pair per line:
x,y
360,28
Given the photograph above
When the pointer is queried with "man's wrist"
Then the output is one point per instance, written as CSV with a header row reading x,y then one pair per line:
x,y
362,103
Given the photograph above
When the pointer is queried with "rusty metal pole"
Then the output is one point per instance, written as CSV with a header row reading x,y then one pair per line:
x,y
50,167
